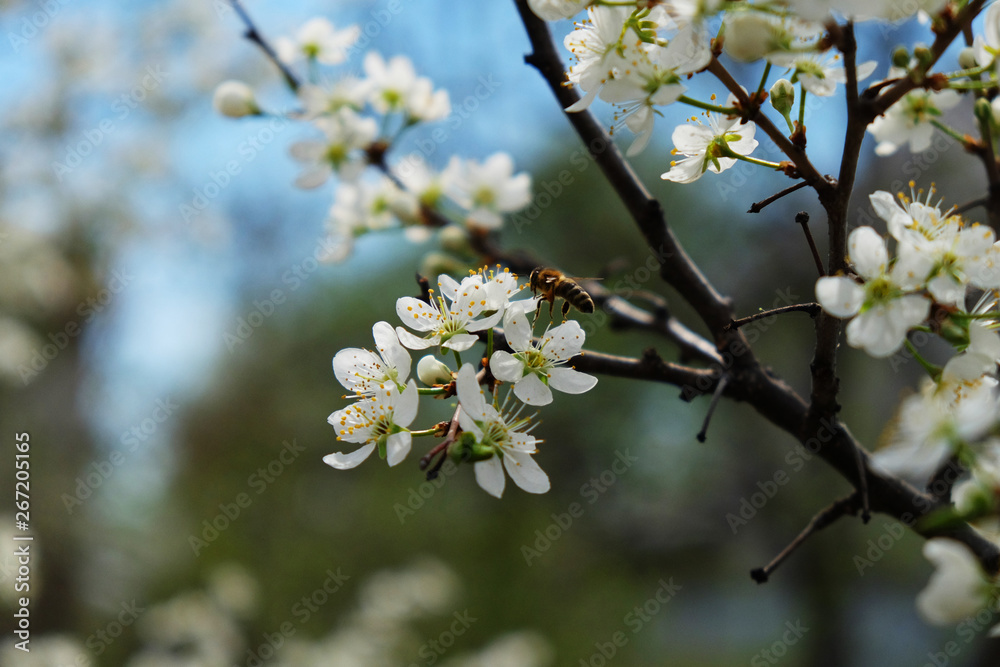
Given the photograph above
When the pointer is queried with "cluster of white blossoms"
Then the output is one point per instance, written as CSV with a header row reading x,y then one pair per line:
x,y
939,260
492,435
637,56
359,120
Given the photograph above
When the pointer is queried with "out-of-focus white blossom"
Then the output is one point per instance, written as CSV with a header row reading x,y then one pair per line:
x,y
318,40
235,99
487,190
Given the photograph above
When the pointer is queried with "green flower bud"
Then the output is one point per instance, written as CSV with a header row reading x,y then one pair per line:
x,y
782,96
984,111
900,57
467,449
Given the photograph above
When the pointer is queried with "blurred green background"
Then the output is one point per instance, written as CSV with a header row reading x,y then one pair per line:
x,y
150,427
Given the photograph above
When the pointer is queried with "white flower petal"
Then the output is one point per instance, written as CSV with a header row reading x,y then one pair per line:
x,y
416,314
506,367
489,476
397,446
955,590
389,347
346,461
571,381
531,390
840,296
525,472
867,252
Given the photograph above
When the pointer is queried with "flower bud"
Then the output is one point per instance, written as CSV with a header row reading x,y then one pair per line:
x,y
900,57
967,58
749,36
985,112
923,54
432,371
782,96
466,449
235,99
995,109
455,240
436,263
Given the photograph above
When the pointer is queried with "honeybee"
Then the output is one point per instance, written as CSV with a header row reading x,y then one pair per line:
x,y
552,284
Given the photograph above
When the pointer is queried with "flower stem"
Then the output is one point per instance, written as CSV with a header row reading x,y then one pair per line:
x,y
430,391
954,134
802,106
458,359
763,80
729,111
932,370
425,432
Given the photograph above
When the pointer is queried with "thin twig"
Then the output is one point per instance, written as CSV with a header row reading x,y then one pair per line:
x,y
759,206
254,36
823,519
982,201
802,218
812,308
716,396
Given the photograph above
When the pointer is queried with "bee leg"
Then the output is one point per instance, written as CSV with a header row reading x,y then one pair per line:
x,y
565,309
552,304
538,311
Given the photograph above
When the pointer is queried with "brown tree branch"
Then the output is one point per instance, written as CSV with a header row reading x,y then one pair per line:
x,y
817,430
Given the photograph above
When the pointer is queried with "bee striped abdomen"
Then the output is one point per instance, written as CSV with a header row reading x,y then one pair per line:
x,y
575,295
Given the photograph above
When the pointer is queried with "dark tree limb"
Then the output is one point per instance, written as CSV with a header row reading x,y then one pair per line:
x,y
813,425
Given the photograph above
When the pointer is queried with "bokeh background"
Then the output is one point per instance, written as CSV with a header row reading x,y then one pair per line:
x,y
150,426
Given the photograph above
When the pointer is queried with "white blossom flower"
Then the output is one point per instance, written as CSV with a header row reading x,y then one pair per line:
x,y
908,121
362,371
380,420
447,323
553,10
958,588
987,45
347,92
318,40
938,422
235,99
817,74
487,190
597,45
535,371
706,147
512,447
883,309
958,255
394,87
347,134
